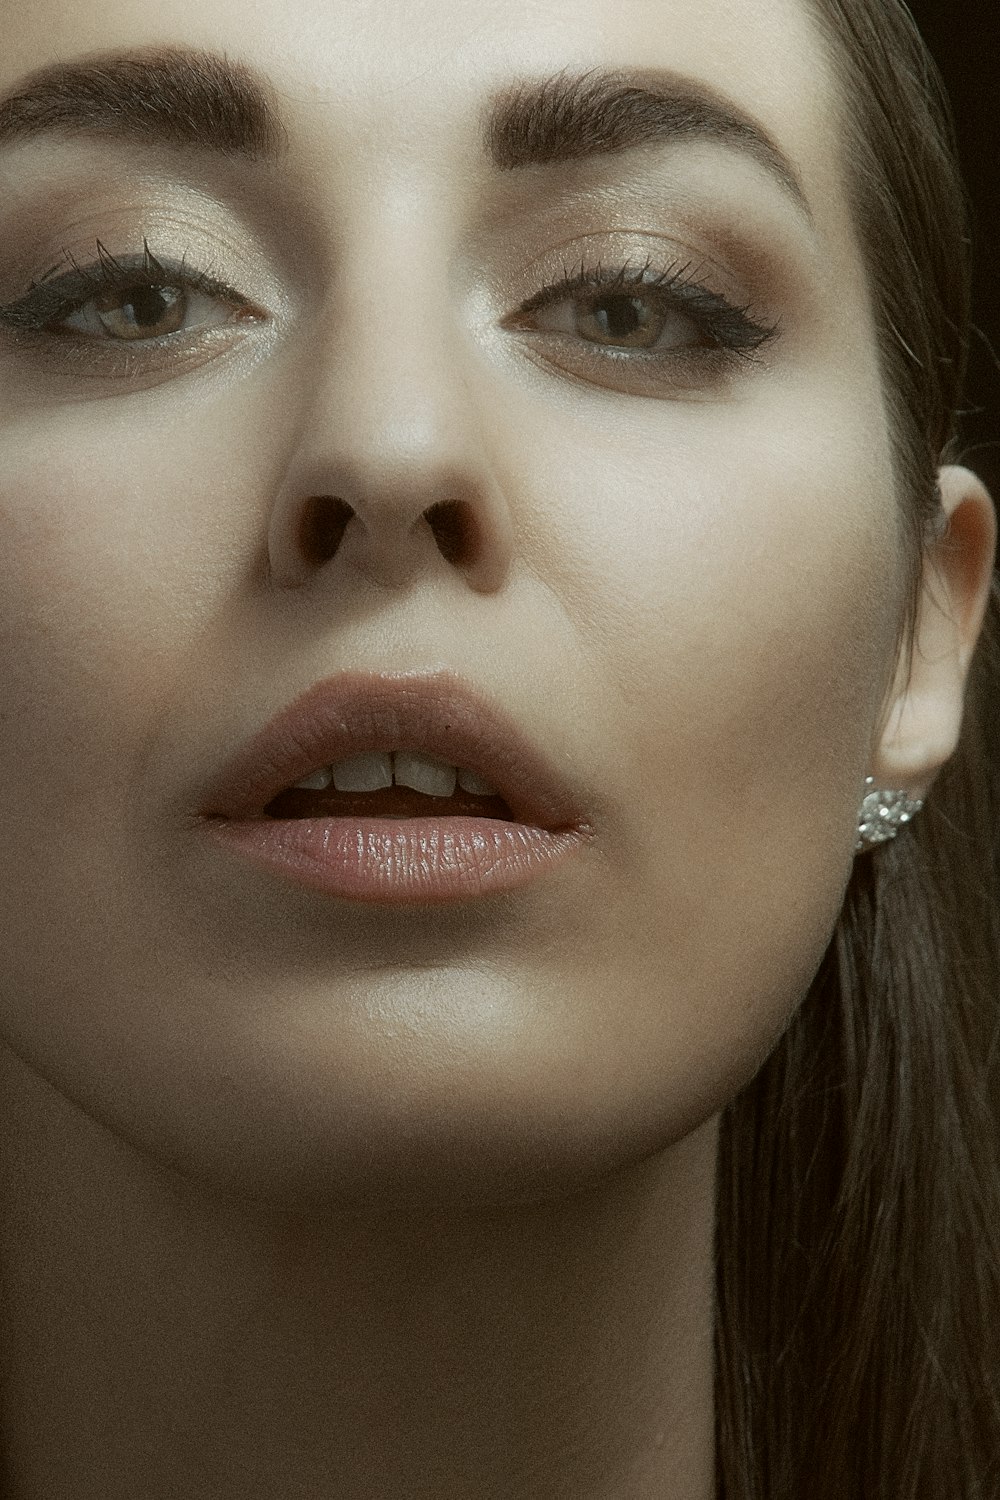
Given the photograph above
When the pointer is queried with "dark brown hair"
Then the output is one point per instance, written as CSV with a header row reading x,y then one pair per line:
x,y
858,1231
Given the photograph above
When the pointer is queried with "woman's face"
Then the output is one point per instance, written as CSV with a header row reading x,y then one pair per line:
x,y
684,585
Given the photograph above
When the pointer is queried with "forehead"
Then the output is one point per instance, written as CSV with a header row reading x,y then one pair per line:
x,y
406,75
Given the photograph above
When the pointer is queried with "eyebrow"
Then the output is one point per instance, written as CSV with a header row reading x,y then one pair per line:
x,y
175,95
207,101
603,111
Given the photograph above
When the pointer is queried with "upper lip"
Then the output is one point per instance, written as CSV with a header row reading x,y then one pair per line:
x,y
355,712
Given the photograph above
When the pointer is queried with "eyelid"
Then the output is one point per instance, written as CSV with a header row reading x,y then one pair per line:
x,y
731,328
48,300
674,289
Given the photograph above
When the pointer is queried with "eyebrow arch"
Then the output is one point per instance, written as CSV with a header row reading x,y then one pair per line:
x,y
574,115
178,96
206,101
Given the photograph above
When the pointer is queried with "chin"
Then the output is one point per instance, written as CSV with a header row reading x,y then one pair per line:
x,y
462,1155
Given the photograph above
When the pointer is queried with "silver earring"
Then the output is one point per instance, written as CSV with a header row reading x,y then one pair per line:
x,y
882,815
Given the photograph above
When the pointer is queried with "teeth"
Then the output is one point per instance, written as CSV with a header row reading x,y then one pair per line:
x,y
424,774
470,782
318,781
374,771
363,773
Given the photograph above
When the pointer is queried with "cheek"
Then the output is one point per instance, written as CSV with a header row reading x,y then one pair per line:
x,y
115,551
741,595
748,595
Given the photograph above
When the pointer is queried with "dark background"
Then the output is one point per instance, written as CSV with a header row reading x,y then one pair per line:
x,y
964,36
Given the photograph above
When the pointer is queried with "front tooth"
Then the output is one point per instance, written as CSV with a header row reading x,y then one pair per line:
x,y
374,771
364,773
318,781
424,774
470,782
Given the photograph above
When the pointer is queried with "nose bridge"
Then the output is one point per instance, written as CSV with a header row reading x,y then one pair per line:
x,y
391,470
391,361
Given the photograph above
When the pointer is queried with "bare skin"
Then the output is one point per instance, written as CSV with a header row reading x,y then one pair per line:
x,y
191,1348
311,1199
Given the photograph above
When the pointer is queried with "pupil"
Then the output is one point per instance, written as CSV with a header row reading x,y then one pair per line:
x,y
623,318
148,304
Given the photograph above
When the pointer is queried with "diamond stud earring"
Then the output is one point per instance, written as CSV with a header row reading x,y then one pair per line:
x,y
882,815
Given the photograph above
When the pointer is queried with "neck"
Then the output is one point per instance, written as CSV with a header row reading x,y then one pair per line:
x,y
159,1340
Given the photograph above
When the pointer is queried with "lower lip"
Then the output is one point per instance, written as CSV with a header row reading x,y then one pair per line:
x,y
404,861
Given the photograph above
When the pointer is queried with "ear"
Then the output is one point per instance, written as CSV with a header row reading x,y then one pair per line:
x,y
923,718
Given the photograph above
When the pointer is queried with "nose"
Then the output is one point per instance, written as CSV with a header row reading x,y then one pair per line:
x,y
391,474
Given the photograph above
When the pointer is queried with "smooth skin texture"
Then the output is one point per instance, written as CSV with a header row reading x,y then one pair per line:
x,y
307,1198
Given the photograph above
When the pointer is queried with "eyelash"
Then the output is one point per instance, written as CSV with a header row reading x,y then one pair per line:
x,y
44,304
731,334
730,331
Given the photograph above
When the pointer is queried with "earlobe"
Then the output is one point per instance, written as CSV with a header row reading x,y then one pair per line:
x,y
924,720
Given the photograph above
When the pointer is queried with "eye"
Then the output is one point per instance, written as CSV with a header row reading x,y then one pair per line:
x,y
671,320
145,310
132,300
620,320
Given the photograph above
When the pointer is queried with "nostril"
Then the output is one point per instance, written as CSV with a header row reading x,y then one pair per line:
x,y
325,517
453,526
321,531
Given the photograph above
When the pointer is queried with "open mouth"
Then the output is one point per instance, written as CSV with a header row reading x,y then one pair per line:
x,y
389,802
425,749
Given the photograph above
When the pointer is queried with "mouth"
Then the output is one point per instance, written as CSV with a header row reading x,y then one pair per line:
x,y
395,802
395,747
397,790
